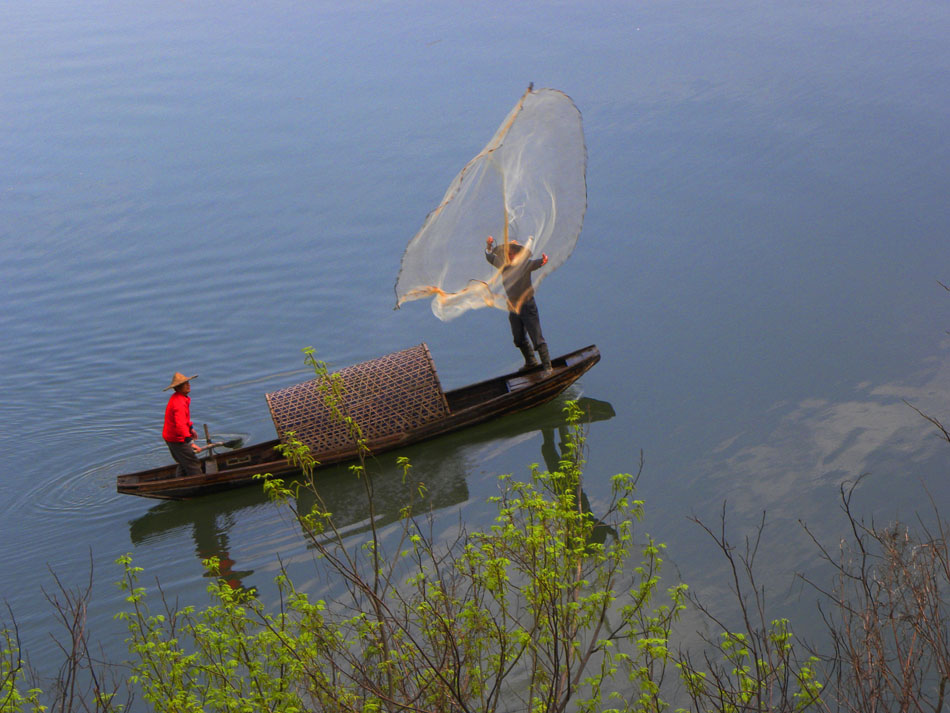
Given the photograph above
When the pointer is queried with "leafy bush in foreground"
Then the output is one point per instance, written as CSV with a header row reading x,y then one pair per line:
x,y
535,613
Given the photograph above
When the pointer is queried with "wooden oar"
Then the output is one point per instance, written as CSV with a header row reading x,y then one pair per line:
x,y
233,443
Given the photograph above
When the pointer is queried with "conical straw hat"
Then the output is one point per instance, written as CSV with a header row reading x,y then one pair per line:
x,y
178,379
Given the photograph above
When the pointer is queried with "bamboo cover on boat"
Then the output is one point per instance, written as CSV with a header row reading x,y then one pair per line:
x,y
385,396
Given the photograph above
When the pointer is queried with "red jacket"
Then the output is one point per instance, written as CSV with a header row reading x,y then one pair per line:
x,y
178,427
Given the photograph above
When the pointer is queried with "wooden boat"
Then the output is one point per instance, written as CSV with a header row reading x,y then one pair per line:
x,y
396,399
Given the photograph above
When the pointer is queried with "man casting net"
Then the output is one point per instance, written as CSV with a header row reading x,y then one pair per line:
x,y
526,187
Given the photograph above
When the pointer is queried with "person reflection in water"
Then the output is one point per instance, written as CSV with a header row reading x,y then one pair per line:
x,y
179,432
552,451
516,269
211,540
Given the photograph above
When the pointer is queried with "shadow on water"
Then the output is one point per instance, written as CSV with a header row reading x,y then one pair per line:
x,y
443,465
553,450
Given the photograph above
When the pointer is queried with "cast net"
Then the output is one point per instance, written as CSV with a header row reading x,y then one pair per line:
x,y
528,187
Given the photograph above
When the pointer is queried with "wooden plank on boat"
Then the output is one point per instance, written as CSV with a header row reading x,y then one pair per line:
x,y
520,381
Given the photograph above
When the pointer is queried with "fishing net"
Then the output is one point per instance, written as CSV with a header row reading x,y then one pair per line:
x,y
526,187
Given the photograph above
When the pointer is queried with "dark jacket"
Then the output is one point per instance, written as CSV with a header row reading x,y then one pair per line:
x,y
516,276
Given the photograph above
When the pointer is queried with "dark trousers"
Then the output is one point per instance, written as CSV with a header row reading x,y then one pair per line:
x,y
185,457
525,324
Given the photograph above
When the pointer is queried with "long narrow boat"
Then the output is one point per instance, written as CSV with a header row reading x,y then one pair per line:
x,y
396,399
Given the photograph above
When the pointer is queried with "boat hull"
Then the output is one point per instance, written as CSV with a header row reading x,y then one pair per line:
x,y
468,406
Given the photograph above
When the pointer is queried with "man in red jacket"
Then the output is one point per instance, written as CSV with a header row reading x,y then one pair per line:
x,y
179,433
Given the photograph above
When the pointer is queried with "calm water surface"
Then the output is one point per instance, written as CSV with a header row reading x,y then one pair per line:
x,y
209,189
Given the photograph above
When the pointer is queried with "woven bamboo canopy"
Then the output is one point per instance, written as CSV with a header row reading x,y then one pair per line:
x,y
385,396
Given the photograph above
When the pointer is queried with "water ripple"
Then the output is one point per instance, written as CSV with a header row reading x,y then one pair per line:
x,y
81,478
89,490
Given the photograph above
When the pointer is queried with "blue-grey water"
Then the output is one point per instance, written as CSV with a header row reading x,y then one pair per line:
x,y
210,187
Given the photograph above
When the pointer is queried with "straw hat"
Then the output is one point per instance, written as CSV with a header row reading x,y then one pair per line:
x,y
178,379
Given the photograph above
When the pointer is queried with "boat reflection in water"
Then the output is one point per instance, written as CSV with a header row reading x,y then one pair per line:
x,y
443,465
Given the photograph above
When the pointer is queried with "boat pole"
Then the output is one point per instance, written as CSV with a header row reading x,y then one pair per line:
x,y
211,464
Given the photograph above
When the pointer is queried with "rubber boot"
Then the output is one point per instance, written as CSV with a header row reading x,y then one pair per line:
x,y
529,360
545,358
